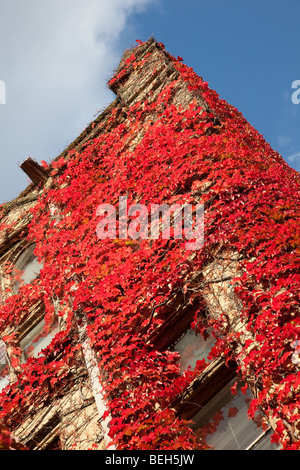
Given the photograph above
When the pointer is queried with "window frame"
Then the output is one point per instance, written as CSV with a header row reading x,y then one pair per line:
x,y
198,338
220,403
24,258
5,378
25,342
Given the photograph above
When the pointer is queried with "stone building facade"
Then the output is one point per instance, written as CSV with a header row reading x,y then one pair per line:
x,y
53,377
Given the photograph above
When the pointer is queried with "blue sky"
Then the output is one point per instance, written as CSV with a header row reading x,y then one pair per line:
x,y
57,55
248,51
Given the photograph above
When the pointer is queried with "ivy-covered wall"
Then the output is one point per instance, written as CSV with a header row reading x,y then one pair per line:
x,y
168,138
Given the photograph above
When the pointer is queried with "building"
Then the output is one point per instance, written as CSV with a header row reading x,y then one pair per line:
x,y
113,338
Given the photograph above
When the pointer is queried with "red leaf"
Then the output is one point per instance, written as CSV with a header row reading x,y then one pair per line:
x,y
233,389
232,412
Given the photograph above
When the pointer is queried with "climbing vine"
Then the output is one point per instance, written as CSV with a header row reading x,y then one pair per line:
x,y
156,151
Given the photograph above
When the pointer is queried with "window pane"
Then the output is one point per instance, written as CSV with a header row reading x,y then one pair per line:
x,y
31,271
4,371
3,357
4,381
27,268
37,340
225,423
193,348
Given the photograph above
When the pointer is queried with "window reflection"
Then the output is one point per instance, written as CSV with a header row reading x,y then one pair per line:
x,y
37,340
193,347
27,268
30,271
225,424
4,366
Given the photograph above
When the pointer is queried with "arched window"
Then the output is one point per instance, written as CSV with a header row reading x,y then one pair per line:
x,y
4,366
192,347
37,339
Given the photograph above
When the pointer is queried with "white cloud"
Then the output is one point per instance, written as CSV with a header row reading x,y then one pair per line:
x,y
55,59
293,157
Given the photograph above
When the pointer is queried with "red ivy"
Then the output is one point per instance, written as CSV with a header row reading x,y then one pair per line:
x,y
252,204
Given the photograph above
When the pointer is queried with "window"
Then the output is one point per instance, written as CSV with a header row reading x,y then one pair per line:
x,y
224,422
4,366
27,268
193,347
36,340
